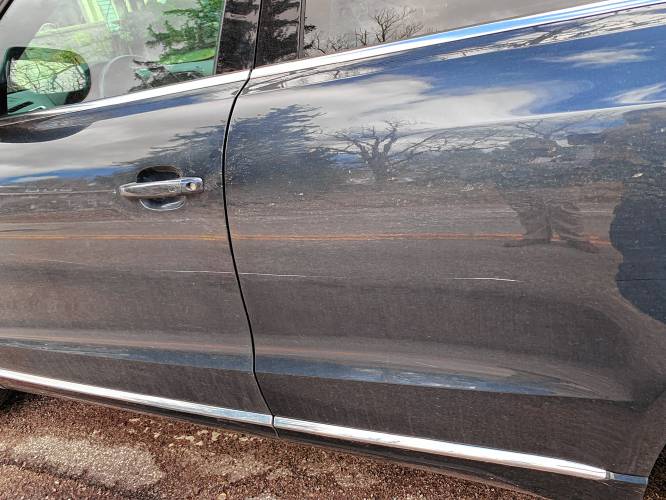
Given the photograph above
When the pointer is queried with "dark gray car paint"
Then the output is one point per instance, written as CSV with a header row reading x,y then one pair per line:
x,y
383,302
370,203
99,290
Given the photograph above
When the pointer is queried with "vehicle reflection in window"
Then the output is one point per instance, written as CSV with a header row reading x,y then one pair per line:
x,y
127,45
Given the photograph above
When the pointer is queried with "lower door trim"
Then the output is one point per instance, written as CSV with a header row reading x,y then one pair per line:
x,y
140,399
409,443
454,450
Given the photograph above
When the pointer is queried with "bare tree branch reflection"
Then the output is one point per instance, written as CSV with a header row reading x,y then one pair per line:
x,y
393,24
393,151
377,149
386,25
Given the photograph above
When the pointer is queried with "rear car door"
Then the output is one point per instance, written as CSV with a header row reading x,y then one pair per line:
x,y
110,285
457,236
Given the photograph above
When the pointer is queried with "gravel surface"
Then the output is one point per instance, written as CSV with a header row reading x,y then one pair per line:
x,y
51,448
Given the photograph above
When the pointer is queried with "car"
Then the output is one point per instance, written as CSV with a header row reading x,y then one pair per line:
x,y
432,232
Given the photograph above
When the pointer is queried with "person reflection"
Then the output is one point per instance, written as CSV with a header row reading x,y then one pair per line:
x,y
638,230
533,176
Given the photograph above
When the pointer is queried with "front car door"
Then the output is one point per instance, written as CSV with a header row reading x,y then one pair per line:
x,y
123,293
453,245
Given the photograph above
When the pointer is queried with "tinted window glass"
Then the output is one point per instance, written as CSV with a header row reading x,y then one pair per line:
x,y
336,25
278,36
58,52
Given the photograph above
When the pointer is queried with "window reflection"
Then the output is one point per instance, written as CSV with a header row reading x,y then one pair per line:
x,y
278,38
336,25
363,27
128,45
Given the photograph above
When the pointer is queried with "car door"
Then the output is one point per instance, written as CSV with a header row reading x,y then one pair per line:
x,y
116,277
430,228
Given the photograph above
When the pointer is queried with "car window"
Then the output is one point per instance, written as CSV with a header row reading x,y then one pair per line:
x,y
335,25
58,52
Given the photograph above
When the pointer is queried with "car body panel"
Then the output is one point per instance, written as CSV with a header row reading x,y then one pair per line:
x,y
100,290
373,224
377,203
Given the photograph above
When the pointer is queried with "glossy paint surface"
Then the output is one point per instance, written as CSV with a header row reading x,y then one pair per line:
x,y
97,289
379,211
239,35
278,35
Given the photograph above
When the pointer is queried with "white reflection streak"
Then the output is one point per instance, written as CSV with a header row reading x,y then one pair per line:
x,y
271,275
488,279
291,276
640,95
253,274
603,57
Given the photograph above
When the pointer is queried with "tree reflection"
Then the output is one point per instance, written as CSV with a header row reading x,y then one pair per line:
x,y
393,24
282,152
384,152
197,29
237,43
277,39
385,25
399,148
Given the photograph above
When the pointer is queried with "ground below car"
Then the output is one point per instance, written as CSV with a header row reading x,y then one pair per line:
x,y
64,449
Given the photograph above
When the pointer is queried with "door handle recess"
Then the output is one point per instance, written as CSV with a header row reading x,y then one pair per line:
x,y
162,189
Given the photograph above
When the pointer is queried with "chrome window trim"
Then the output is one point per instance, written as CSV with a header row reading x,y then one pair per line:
x,y
568,14
453,450
571,13
140,399
141,95
3,6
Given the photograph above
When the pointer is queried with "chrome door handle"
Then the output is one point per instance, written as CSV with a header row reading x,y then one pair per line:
x,y
162,189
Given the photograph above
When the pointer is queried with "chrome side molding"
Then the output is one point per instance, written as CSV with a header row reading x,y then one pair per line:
x,y
140,399
141,95
446,449
428,446
568,14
